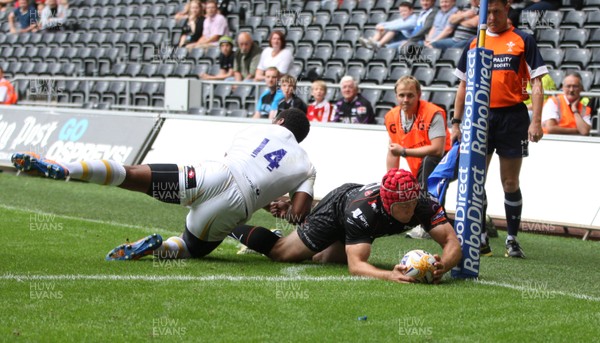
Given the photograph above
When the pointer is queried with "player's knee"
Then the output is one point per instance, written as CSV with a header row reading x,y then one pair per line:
x,y
283,251
510,185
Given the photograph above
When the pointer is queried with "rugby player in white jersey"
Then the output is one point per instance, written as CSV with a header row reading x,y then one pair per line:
x,y
263,164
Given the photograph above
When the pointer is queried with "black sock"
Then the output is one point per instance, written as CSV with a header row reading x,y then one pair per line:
x,y
513,205
256,238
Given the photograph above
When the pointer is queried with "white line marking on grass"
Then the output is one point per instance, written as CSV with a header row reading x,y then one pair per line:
x,y
160,278
531,289
295,270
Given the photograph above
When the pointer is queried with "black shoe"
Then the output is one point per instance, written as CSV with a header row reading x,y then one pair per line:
x,y
485,249
513,249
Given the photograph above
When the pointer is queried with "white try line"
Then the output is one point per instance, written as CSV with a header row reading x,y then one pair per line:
x,y
537,290
245,278
164,278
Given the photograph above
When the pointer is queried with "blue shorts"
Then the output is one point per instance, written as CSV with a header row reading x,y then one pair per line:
x,y
508,131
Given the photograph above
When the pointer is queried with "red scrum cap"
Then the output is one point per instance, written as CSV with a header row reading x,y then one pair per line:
x,y
398,185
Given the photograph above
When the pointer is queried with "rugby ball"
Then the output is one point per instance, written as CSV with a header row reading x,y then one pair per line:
x,y
419,265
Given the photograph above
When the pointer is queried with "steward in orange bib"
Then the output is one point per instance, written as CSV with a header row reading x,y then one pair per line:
x,y
568,113
418,131
8,96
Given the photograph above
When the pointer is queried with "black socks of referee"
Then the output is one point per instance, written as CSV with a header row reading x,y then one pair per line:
x,y
256,238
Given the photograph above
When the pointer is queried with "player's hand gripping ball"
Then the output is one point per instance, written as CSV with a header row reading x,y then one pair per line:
x,y
419,265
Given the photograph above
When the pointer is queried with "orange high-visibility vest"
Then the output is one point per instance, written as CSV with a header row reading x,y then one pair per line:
x,y
566,115
11,95
418,135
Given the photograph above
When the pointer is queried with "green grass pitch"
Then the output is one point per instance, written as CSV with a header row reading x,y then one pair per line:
x,y
56,287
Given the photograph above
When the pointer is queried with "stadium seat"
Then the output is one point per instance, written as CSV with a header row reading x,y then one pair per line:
x,y
54,69
445,100
322,54
550,19
148,70
27,68
269,22
548,38
303,53
164,70
219,112
425,75
321,19
312,35
574,38
396,73
240,113
238,97
304,19
576,58
358,19
376,74
348,6
42,54
596,82
450,57
595,61
68,69
427,57
573,19
296,70
593,19
350,36
594,38
357,72
220,93
329,6
587,78
365,5
35,40
384,57
341,56
333,74
132,70
377,18
115,94
331,36
144,95
552,57
312,6
181,70
339,19
98,90
372,95
40,68
361,57
557,76
385,5
389,99
445,76
19,54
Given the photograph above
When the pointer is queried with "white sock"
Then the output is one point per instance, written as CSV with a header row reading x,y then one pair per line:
x,y
172,248
510,237
103,172
483,236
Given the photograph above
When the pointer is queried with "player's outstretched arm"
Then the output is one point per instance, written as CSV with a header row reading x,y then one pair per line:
x,y
358,256
446,238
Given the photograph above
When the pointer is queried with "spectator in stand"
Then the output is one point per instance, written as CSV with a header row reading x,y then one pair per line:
x,y
246,58
418,131
320,110
193,25
352,107
465,24
8,96
23,19
5,5
266,107
53,17
290,100
395,31
215,26
441,26
276,55
225,61
424,24
568,113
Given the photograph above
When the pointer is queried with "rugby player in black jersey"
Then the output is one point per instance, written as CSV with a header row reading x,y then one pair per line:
x,y
342,227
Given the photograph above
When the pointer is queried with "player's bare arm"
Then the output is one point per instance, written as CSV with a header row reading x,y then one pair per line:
x,y
537,100
358,256
459,107
444,235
